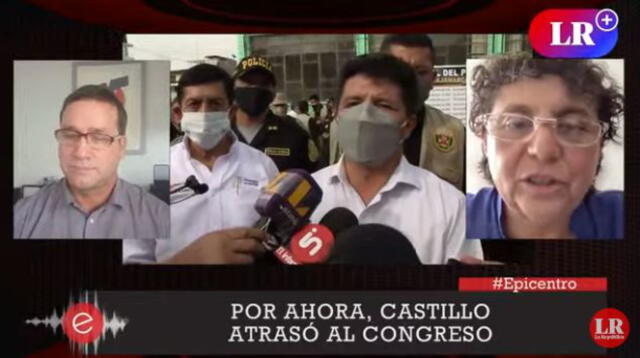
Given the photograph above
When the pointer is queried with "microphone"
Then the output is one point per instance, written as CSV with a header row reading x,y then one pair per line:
x,y
314,243
193,184
338,220
373,244
191,187
285,205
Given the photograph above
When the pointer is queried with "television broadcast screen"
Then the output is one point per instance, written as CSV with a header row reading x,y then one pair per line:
x,y
417,178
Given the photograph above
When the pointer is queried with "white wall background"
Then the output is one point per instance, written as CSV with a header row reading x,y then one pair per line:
x,y
40,87
612,172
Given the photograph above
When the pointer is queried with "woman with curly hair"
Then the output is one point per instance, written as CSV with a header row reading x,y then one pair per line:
x,y
543,124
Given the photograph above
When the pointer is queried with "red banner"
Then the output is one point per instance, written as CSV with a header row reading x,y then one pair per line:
x,y
532,284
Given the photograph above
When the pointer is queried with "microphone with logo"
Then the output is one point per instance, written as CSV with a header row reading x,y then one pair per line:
x,y
190,188
285,205
314,243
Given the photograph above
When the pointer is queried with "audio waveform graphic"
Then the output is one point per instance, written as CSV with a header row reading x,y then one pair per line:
x,y
110,323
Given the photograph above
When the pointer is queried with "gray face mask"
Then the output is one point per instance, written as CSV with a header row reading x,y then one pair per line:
x,y
368,135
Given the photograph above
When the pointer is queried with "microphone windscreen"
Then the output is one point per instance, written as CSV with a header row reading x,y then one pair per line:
x,y
338,220
191,182
288,201
373,244
201,188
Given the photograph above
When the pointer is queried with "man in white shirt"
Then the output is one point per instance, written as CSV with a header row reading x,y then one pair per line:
x,y
212,227
302,114
376,112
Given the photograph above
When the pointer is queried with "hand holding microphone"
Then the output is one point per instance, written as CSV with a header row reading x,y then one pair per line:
x,y
223,247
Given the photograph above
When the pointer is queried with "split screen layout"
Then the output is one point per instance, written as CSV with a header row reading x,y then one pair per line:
x,y
333,154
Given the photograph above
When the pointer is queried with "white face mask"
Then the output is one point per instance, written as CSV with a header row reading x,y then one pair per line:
x,y
206,129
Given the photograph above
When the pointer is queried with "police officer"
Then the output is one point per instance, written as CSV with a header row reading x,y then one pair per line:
x,y
284,141
437,142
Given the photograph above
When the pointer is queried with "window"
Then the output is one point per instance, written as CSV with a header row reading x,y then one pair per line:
x,y
306,64
478,46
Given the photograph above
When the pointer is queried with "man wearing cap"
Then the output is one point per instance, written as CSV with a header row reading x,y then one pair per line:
x,y
280,107
251,120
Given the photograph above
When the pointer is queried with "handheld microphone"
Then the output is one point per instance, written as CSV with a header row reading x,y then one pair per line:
x,y
285,205
373,244
190,188
338,220
314,242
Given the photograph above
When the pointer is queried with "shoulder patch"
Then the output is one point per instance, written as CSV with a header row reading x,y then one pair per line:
x,y
443,139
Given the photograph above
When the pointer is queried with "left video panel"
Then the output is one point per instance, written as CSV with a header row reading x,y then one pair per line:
x,y
91,150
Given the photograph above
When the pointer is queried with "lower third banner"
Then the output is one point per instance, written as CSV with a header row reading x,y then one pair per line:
x,y
327,322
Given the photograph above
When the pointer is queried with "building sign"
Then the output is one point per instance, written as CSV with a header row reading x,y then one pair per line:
x,y
449,92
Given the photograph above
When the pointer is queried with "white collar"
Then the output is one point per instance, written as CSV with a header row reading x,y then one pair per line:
x,y
404,174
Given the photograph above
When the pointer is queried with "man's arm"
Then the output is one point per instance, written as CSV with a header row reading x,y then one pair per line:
x,y
138,251
224,247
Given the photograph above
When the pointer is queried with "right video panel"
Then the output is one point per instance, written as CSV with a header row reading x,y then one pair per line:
x,y
545,155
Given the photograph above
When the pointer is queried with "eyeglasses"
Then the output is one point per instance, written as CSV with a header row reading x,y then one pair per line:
x,y
95,140
575,130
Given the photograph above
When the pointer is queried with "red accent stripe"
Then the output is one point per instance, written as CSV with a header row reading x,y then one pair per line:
x,y
533,284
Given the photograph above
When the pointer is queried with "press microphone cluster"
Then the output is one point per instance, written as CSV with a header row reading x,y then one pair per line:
x,y
285,205
190,188
340,239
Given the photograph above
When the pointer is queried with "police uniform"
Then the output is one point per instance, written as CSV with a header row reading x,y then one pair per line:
x,y
435,144
284,141
439,139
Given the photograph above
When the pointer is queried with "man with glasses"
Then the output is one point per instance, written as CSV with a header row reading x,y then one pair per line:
x,y
91,201
543,125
